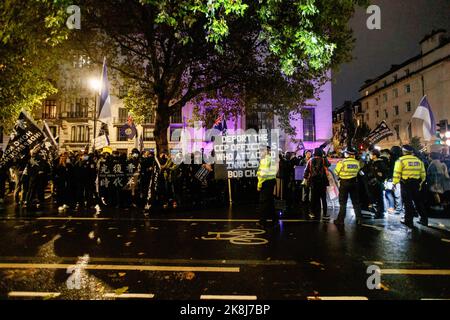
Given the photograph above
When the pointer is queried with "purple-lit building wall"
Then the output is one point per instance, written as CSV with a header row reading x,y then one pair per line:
x,y
312,131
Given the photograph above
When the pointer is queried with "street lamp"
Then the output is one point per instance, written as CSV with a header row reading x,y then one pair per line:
x,y
95,85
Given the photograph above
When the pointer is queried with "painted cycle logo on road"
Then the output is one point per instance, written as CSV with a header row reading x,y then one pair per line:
x,y
239,236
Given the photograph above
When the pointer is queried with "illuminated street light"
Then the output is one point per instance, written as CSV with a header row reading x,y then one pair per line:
x,y
95,84
447,134
447,142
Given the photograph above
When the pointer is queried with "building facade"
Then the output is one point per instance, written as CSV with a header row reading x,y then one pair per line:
x,y
70,116
395,95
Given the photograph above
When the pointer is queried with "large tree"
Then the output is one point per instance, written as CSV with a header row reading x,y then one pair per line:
x,y
171,52
30,35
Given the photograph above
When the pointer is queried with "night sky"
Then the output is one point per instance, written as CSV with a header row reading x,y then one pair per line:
x,y
404,23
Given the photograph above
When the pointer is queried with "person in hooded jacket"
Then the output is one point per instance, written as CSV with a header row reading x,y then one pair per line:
x,y
317,180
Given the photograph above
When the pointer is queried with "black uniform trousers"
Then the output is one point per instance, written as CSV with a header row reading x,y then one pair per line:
x,y
376,192
349,187
318,199
412,199
267,201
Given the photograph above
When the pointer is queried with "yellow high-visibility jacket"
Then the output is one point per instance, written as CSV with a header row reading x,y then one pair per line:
x,y
347,169
409,167
267,170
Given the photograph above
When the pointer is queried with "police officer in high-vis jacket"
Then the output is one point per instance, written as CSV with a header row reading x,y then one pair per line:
x,y
410,172
347,171
267,173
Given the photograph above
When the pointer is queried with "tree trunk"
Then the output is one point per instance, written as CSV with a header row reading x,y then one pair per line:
x,y
161,125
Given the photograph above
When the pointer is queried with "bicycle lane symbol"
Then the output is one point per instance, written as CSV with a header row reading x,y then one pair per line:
x,y
239,236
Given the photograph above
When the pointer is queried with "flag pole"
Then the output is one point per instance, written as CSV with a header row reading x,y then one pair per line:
x,y
95,120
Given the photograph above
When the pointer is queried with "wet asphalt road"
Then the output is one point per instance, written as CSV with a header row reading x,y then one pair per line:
x,y
215,253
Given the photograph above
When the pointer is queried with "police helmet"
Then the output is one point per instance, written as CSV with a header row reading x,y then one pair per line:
x,y
407,149
350,151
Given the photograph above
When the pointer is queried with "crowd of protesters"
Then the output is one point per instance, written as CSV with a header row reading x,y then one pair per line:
x,y
94,180
81,180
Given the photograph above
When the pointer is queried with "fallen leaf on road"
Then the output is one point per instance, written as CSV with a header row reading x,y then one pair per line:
x,y
91,235
189,275
141,253
315,263
128,243
122,274
121,290
383,287
119,236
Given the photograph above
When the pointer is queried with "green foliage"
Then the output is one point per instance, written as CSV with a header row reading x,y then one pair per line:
x,y
416,143
272,52
360,134
30,35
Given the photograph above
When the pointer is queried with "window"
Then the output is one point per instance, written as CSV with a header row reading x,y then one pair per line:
x,y
384,83
150,118
386,115
80,61
120,137
80,133
407,72
376,101
148,134
385,97
409,132
367,116
377,113
176,117
123,115
408,88
77,108
49,109
395,92
123,91
397,131
395,77
396,112
53,130
408,106
309,125
175,137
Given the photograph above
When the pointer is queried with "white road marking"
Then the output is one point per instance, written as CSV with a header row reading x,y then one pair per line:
x,y
417,272
227,297
146,261
168,220
430,299
445,240
71,218
130,295
338,298
31,294
119,267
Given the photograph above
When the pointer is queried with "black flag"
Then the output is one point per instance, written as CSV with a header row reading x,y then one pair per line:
x,y
24,136
378,134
